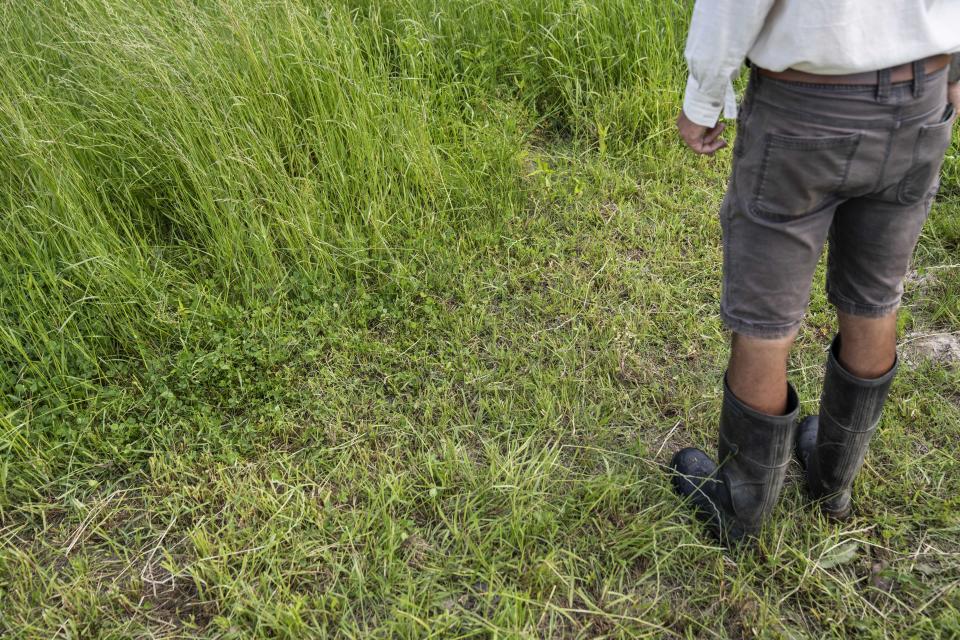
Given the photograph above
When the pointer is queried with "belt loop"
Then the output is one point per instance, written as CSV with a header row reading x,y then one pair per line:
x,y
919,77
883,85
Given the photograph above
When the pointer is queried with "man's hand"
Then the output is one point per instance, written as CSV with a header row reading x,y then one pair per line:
x,y
705,140
953,95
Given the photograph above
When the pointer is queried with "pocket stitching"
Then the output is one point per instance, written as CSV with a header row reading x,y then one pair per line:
x,y
803,143
925,131
775,140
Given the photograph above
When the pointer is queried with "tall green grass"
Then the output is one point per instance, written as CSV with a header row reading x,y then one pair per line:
x,y
162,159
356,318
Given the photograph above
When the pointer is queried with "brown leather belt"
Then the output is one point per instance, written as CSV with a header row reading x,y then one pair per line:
x,y
902,73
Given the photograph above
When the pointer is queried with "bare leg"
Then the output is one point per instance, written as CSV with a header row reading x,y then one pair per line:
x,y
832,445
868,346
757,425
757,372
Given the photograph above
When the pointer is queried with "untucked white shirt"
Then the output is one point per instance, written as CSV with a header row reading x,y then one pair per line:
x,y
818,36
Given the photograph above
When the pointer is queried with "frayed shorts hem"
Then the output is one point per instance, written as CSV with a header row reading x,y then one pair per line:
x,y
757,330
852,308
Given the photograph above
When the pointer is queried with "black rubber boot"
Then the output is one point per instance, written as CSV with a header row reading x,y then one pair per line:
x,y
755,448
831,446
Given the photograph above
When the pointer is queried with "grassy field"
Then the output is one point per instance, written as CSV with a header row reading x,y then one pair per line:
x,y
382,318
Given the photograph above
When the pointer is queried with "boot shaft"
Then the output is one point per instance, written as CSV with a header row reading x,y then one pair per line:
x,y
754,451
850,410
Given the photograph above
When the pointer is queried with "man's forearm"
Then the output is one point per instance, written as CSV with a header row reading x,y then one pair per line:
x,y
954,68
721,34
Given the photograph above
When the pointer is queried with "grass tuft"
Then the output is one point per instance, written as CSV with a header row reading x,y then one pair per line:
x,y
382,319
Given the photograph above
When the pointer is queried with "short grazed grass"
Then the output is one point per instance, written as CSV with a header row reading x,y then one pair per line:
x,y
382,319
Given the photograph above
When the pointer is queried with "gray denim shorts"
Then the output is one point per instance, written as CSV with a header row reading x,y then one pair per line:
x,y
853,164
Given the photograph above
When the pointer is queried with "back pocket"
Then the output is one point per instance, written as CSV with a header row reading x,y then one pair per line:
x,y
799,175
928,152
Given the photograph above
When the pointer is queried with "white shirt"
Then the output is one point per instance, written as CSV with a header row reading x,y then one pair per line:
x,y
817,36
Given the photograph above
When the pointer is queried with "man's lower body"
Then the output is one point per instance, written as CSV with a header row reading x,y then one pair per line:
x,y
854,167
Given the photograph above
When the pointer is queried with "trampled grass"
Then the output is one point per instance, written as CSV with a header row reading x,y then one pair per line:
x,y
381,319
